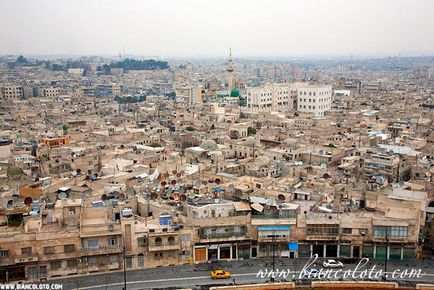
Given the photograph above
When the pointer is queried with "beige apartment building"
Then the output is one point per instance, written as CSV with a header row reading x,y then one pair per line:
x,y
11,92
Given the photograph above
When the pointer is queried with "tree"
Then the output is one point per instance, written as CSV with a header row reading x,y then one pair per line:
x,y
251,131
155,145
65,129
21,60
190,128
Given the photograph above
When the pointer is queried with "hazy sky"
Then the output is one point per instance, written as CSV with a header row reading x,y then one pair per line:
x,y
171,28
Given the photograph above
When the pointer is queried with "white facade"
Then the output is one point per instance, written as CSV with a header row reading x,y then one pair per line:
x,y
76,71
314,99
271,97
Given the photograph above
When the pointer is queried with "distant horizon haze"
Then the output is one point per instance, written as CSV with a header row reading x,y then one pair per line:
x,y
208,28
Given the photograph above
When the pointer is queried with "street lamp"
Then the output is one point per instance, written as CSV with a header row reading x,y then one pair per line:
x,y
387,253
125,265
274,256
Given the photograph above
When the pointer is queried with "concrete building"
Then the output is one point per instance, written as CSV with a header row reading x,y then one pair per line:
x,y
314,99
11,92
271,97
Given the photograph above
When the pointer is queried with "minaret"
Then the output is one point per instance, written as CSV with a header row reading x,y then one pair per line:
x,y
230,71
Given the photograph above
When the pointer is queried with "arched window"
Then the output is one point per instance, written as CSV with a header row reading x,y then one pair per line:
x,y
158,241
171,240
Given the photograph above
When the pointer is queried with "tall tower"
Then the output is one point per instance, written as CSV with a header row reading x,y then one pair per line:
x,y
230,71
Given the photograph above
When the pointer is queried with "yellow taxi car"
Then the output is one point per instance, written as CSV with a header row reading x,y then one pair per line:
x,y
220,274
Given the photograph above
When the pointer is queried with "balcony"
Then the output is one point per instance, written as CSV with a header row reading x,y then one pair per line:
x,y
220,237
101,250
273,219
27,259
277,239
167,246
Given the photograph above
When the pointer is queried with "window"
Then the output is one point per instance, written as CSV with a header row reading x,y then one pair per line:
x,y
4,253
129,262
113,258
171,240
69,248
158,241
55,265
71,263
72,210
323,229
92,244
48,250
347,231
26,251
112,241
143,241
391,232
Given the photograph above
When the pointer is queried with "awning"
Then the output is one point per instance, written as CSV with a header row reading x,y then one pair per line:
x,y
274,228
293,246
257,206
241,206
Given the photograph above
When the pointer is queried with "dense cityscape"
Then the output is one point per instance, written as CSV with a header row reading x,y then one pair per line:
x,y
126,171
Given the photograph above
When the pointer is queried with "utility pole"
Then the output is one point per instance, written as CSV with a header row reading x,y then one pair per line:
x,y
274,256
125,266
387,253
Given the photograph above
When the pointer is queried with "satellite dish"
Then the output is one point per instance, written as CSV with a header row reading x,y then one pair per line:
x,y
62,195
28,200
182,172
321,152
217,181
156,181
210,180
104,197
173,182
183,197
181,190
163,183
231,186
281,197
196,184
204,182
174,172
10,203
121,196
178,175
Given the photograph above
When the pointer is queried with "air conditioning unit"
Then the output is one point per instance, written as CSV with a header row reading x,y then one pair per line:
x,y
78,260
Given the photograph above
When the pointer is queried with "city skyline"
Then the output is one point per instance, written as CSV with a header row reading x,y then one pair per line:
x,y
207,29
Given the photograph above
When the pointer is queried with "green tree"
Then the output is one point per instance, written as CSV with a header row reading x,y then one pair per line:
x,y
251,131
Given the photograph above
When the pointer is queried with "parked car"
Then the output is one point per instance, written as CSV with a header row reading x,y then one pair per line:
x,y
332,264
220,274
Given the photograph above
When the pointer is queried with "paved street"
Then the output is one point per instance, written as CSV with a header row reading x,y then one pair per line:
x,y
190,276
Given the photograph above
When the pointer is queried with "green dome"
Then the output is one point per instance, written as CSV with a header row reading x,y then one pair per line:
x,y
235,93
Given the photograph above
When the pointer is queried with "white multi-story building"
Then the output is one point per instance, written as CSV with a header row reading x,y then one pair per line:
x,y
76,71
271,97
314,99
